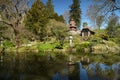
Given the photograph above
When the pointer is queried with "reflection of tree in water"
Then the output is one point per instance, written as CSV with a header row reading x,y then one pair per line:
x,y
29,67
74,72
101,71
46,68
13,67
32,67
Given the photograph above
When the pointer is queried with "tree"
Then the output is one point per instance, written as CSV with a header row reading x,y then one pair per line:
x,y
59,18
50,9
2,29
85,24
117,33
58,30
92,12
107,6
12,14
99,21
102,7
111,28
96,18
66,16
51,14
37,18
75,12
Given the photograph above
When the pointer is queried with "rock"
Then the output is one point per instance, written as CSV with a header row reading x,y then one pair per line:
x,y
103,48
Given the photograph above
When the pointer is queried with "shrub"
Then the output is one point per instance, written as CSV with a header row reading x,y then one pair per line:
x,y
8,44
82,46
96,40
104,36
46,46
110,43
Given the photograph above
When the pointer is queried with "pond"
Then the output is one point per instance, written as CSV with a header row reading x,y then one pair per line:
x,y
26,66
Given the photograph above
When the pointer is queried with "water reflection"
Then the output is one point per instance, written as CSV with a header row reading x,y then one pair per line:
x,y
103,72
34,67
83,73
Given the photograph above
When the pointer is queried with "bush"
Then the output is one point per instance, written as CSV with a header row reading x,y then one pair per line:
x,y
96,40
110,43
104,36
46,46
116,40
8,44
82,46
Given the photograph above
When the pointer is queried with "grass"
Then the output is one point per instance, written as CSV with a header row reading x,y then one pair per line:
x,y
46,46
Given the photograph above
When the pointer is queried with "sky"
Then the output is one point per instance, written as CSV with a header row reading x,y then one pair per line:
x,y
63,5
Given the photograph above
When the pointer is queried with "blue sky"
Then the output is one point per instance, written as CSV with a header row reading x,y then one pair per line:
x,y
63,5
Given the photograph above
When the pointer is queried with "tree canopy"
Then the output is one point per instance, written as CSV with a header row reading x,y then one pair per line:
x,y
75,12
100,10
50,9
12,14
39,15
112,24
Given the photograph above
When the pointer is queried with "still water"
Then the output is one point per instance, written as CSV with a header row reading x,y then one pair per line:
x,y
27,66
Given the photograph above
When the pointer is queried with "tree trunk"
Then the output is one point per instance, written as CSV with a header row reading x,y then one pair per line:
x,y
17,36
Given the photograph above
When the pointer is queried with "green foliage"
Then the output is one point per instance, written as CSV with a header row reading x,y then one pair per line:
x,y
58,30
46,46
117,35
110,43
116,40
104,36
37,18
85,24
76,40
8,44
100,35
51,14
82,46
60,33
3,29
75,12
96,39
1,48
111,28
59,45
59,18
50,9
101,31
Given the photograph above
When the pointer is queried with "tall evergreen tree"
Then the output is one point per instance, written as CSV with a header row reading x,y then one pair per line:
x,y
59,18
37,18
51,12
50,9
75,12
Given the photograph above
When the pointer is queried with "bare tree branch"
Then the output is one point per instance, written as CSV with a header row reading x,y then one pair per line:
x,y
5,22
12,15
